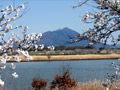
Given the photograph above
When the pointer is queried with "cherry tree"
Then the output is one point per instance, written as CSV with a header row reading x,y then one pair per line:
x,y
7,50
105,20
106,27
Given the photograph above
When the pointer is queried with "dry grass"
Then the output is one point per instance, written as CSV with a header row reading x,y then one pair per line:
x,y
94,85
39,84
63,81
72,57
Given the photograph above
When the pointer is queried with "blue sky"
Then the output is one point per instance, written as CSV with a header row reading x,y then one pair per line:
x,y
50,15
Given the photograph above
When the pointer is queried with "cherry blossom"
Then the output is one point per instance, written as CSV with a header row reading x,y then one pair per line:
x,y
2,66
12,66
41,46
106,22
1,82
23,43
15,75
22,6
9,8
51,48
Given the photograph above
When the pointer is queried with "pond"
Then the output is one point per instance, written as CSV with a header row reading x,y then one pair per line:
x,y
81,71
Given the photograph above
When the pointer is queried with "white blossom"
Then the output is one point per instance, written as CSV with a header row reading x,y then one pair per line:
x,y
15,75
25,29
13,34
3,12
1,83
13,18
16,27
41,46
22,6
17,10
25,54
0,47
51,48
91,43
2,66
107,88
9,8
29,58
36,46
12,66
3,60
8,19
16,58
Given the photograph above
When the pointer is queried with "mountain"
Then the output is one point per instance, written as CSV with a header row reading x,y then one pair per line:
x,y
118,45
99,45
62,37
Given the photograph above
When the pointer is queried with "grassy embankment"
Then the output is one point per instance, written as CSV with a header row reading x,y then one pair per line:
x,y
72,57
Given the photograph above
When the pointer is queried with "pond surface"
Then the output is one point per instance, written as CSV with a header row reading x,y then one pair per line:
x,y
82,71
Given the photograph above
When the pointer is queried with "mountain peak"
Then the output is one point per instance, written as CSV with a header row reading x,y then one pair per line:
x,y
57,37
66,28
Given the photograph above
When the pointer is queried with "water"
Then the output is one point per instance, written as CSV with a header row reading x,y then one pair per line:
x,y
82,71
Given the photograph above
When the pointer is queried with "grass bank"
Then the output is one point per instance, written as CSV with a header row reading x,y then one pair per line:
x,y
72,57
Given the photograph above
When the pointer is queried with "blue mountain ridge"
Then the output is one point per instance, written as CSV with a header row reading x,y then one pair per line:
x,y
60,37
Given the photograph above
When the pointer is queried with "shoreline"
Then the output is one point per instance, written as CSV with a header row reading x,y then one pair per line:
x,y
70,57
